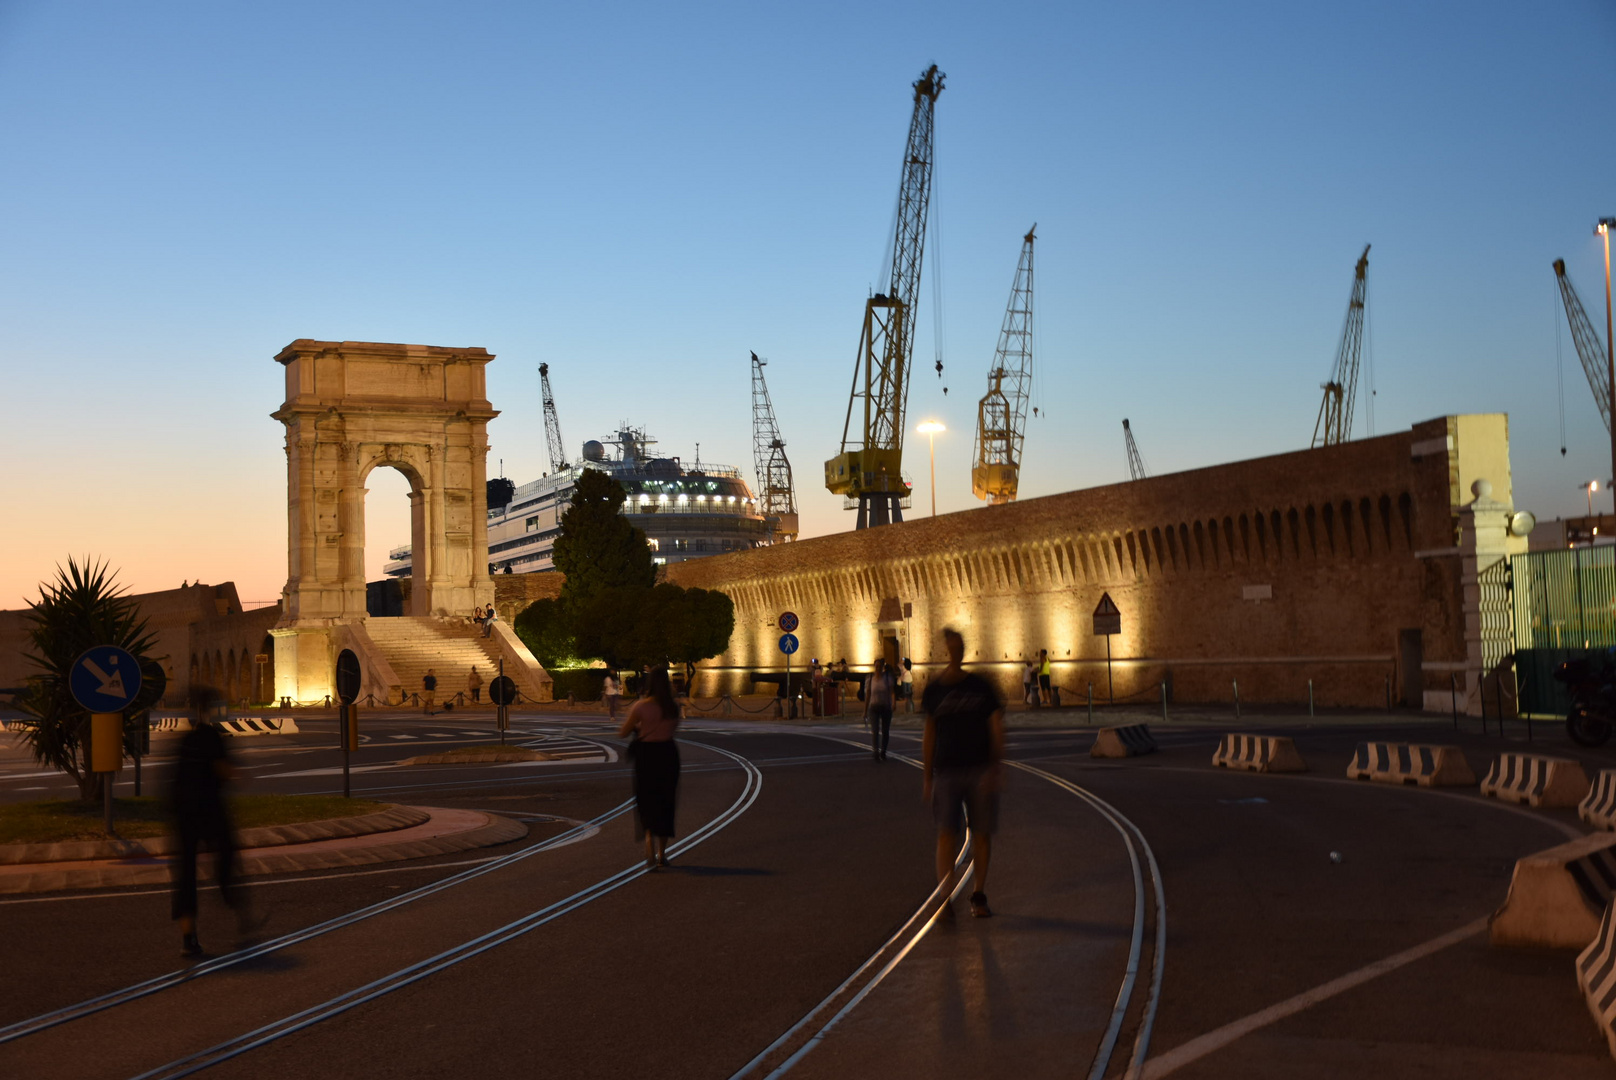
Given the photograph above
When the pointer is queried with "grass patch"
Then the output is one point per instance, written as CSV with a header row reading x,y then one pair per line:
x,y
64,820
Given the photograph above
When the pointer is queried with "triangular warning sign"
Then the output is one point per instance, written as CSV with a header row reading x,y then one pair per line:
x,y
1107,606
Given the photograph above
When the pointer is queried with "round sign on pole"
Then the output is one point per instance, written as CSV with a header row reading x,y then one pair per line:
x,y
105,679
788,621
789,643
502,691
348,676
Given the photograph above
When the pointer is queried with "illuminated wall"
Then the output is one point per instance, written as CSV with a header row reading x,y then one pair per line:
x,y
1323,564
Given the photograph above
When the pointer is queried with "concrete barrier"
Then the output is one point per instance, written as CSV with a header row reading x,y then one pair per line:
x,y
1596,974
1557,897
1536,780
1599,808
258,725
1124,740
1411,763
1259,753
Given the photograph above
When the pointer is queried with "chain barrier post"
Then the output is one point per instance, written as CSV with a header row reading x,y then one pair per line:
x,y
1236,698
1164,700
1091,704
1310,699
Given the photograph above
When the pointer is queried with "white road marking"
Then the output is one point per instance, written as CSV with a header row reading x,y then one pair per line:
x,y
401,736
1202,1045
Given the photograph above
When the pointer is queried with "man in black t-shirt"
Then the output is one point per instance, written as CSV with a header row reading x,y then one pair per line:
x,y
962,750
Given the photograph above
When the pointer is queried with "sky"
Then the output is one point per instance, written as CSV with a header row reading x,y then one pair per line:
x,y
642,194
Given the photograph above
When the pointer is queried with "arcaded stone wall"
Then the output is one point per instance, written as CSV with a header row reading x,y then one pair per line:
x,y
1340,565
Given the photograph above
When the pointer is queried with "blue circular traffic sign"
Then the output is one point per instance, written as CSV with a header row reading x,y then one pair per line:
x,y
789,643
105,679
788,621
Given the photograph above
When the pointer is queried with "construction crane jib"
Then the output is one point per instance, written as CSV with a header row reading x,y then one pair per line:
x,y
1136,461
1001,415
776,494
552,423
869,470
1590,349
1334,424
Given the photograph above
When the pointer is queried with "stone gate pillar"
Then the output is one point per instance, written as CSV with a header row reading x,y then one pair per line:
x,y
351,407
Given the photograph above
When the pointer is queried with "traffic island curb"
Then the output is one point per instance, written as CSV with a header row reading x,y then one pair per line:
x,y
442,832
261,836
481,757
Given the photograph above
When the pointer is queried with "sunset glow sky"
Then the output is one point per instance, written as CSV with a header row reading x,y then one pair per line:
x,y
640,194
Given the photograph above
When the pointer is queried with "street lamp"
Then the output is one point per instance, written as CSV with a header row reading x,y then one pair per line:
x,y
930,428
1589,488
1603,229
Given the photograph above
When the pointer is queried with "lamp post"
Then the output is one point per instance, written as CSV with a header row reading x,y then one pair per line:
x,y
1588,489
931,428
1603,229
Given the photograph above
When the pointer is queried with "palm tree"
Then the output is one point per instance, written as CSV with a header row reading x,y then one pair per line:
x,y
81,609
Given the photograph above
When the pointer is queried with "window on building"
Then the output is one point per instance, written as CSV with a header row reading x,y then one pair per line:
x,y
530,524
681,545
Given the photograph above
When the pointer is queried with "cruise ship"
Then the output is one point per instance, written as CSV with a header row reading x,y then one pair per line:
x,y
685,511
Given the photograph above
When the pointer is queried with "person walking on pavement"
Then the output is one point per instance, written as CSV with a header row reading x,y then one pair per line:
x,y
202,769
906,685
879,695
652,722
1029,684
961,758
612,692
429,690
474,683
1045,677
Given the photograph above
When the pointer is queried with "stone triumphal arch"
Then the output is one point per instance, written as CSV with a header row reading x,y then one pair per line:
x,y
355,406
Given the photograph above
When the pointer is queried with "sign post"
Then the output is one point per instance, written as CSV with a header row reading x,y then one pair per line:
x,y
349,678
502,691
105,680
788,623
1108,621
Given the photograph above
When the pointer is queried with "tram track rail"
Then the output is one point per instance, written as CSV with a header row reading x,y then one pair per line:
x,y
413,973
809,1032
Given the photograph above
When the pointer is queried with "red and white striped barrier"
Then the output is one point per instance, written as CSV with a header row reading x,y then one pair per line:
x,y
1599,808
1596,974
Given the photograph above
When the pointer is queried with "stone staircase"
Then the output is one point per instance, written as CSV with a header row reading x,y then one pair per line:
x,y
450,647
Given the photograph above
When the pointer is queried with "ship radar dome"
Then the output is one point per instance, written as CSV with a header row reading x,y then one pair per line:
x,y
594,451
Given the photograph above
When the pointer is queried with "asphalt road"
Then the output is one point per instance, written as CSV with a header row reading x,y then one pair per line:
x,y
1146,911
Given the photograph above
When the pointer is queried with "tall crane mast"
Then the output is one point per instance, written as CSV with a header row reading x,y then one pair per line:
x,y
552,423
1590,349
1334,424
1136,463
870,467
775,491
1001,415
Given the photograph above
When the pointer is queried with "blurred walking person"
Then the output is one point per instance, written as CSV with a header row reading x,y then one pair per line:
x,y
906,685
612,692
651,723
879,695
202,769
961,757
474,683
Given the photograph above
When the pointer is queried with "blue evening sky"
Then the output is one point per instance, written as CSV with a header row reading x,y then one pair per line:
x,y
641,193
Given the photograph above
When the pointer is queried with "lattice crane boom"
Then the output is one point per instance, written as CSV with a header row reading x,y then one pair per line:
x,y
869,468
1136,462
1001,415
1590,348
1334,424
776,493
552,423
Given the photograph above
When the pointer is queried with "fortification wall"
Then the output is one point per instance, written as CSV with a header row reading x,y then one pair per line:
x,y
1340,565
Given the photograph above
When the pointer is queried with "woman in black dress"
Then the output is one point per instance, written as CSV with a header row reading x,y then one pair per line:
x,y
652,722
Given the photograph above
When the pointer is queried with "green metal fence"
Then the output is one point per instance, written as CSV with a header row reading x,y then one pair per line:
x,y
1563,606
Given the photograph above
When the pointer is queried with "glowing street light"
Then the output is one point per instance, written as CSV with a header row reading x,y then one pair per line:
x,y
930,428
1603,230
1590,487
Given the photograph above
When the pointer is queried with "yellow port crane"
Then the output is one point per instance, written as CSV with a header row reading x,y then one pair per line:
x,y
1334,424
869,470
1001,415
